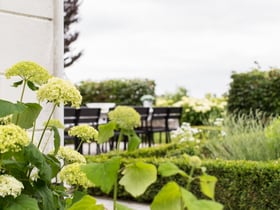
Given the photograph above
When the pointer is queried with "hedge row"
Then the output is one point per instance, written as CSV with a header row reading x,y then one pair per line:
x,y
119,91
255,91
241,185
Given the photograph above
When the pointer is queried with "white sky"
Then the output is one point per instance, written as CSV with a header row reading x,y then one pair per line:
x,y
191,43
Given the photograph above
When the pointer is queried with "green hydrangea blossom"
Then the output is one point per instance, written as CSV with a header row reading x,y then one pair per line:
x,y
59,91
6,120
125,117
70,156
84,132
54,123
30,71
9,185
72,175
12,138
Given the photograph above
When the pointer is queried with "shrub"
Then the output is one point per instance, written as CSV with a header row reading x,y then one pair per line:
x,y
121,92
255,91
245,139
241,185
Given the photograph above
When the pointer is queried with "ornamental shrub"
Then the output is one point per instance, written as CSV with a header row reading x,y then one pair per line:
x,y
255,91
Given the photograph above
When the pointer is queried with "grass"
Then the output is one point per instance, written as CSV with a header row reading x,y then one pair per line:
x,y
244,139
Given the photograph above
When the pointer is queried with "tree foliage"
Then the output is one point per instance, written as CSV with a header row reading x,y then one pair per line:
x,y
71,10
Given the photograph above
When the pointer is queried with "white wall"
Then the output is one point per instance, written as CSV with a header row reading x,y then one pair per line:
x,y
30,30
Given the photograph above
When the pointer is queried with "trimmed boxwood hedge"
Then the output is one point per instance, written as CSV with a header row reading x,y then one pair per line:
x,y
241,185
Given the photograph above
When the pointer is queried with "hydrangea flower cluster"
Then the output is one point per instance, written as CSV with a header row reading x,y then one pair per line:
x,y
84,132
6,120
184,133
9,185
54,123
30,71
59,91
12,138
70,156
72,175
125,117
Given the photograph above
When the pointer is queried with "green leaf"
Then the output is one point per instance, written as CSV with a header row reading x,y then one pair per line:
x,y
205,205
122,207
169,197
170,169
56,139
8,108
106,131
87,203
137,177
32,86
133,142
104,174
77,196
26,118
16,84
188,198
54,163
45,194
207,185
37,158
23,202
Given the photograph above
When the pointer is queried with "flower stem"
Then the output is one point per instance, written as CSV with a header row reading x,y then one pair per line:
x,y
119,140
190,179
45,128
21,97
80,144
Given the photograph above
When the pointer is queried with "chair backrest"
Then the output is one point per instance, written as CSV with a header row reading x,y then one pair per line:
x,y
89,115
143,112
175,112
159,113
70,115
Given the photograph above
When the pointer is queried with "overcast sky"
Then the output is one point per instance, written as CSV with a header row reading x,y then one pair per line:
x,y
191,43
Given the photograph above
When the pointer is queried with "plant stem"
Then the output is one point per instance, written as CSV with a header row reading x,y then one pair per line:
x,y
115,196
21,98
80,144
190,179
23,90
45,128
33,131
119,140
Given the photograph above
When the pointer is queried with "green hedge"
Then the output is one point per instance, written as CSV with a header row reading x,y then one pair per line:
x,y
119,91
241,185
255,91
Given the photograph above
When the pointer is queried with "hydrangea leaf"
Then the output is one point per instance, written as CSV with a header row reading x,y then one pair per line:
x,y
26,118
122,207
137,177
170,169
207,185
56,139
169,197
204,205
45,194
23,202
32,86
106,131
87,203
8,108
188,198
35,157
133,142
104,174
